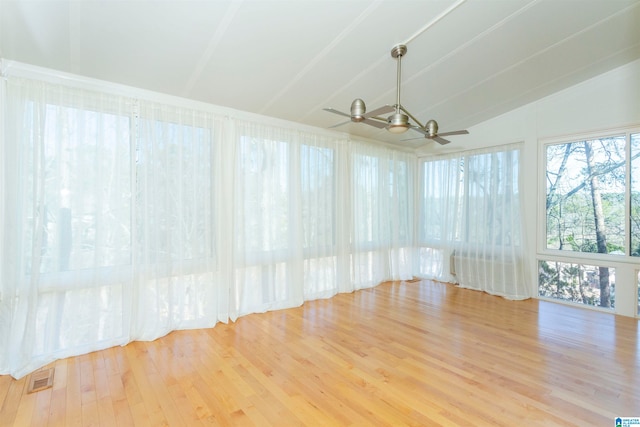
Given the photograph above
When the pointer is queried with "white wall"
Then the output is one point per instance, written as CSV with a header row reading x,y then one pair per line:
x,y
609,101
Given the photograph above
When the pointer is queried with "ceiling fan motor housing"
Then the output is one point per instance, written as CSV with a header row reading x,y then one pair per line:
x,y
358,108
432,128
398,119
398,123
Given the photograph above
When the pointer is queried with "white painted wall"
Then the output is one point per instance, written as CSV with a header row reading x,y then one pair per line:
x,y
609,101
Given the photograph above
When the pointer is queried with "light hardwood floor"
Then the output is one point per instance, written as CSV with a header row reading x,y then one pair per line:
x,y
417,354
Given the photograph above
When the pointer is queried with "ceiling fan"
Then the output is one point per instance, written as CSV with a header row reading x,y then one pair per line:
x,y
398,122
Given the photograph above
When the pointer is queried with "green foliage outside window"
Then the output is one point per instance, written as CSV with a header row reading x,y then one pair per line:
x,y
575,282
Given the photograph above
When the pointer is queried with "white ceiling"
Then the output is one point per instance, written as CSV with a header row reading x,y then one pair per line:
x,y
467,60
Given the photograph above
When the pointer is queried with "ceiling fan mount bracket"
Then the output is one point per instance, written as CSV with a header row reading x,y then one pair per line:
x,y
398,51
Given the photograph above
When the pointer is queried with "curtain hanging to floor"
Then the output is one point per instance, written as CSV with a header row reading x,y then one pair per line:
x,y
470,225
124,219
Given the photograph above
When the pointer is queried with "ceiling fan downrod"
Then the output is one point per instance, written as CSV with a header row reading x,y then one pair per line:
x,y
397,53
398,122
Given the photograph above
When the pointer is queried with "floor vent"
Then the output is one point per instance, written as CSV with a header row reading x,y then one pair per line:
x,y
41,380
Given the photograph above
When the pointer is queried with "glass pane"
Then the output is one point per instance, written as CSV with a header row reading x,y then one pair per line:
x,y
400,190
440,215
491,201
263,184
87,190
585,196
174,191
585,284
368,224
473,199
317,180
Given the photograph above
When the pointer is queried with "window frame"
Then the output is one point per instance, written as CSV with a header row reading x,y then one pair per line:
x,y
620,263
541,223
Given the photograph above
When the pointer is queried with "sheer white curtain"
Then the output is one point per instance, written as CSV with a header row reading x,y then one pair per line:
x,y
439,216
124,219
110,229
382,227
66,249
174,231
470,221
286,217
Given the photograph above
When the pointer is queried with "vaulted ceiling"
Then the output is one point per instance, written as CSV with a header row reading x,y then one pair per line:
x,y
467,60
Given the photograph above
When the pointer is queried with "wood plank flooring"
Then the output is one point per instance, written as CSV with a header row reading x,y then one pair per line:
x,y
416,354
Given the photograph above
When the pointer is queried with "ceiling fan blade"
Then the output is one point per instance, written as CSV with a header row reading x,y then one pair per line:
x,y
375,123
331,110
456,132
382,110
440,141
339,124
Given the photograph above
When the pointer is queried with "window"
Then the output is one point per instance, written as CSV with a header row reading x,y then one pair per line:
x,y
469,199
470,222
113,206
319,218
174,181
581,283
82,191
88,195
381,201
381,215
264,166
400,191
317,182
588,184
367,212
286,221
440,210
585,196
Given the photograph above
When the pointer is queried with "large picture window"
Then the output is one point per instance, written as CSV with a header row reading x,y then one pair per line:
x,y
591,211
585,196
80,191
